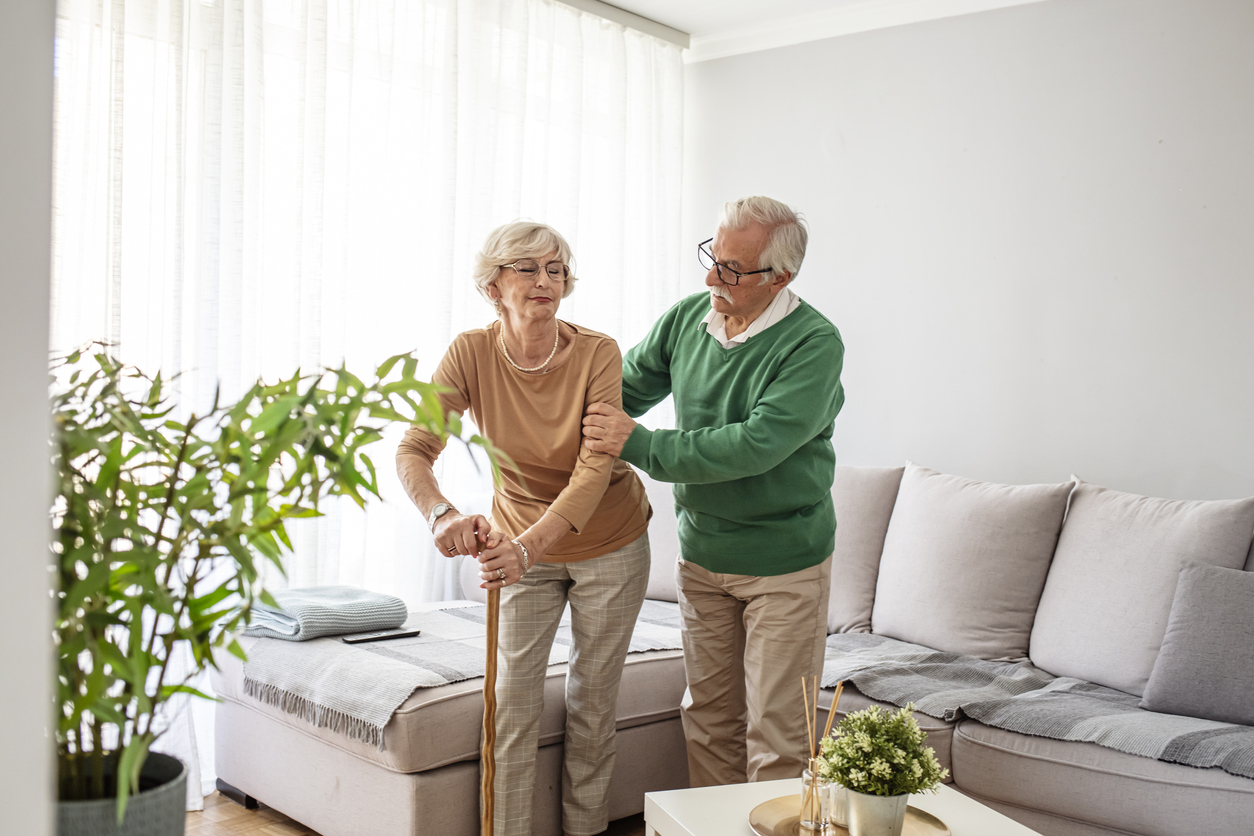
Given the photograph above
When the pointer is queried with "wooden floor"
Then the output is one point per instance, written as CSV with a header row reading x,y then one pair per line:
x,y
223,817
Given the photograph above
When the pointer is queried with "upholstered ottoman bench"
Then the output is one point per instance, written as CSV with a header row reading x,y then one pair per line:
x,y
425,778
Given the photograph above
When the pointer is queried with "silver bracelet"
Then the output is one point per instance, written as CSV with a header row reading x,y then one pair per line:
x,y
526,555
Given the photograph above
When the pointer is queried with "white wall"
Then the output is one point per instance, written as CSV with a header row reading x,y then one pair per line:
x,y
26,31
1031,225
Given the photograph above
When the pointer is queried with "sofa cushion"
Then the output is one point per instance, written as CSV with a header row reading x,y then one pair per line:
x,y
439,726
1206,665
1084,781
864,498
1104,610
964,563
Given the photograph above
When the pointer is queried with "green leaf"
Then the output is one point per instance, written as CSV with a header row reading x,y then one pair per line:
x,y
274,414
112,465
236,650
132,762
388,364
168,691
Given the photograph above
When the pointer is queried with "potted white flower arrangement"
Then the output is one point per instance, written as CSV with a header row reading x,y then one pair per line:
x,y
880,757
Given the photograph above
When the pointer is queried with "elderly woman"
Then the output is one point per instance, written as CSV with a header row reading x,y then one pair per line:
x,y
568,525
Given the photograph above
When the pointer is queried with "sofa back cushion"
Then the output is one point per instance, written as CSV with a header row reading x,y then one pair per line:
x,y
1206,665
1108,595
864,498
964,563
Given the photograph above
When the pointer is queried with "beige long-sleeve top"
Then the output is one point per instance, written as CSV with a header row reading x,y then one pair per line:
x,y
538,421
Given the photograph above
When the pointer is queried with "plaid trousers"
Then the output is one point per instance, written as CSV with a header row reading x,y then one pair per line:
x,y
605,594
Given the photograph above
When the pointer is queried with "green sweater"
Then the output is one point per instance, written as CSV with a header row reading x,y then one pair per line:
x,y
752,457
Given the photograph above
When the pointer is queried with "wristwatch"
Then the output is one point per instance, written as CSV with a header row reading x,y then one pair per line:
x,y
440,509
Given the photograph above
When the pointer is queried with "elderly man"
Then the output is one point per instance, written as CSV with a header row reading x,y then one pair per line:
x,y
755,373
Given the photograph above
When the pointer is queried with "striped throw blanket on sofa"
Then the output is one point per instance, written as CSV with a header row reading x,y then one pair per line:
x,y
1021,698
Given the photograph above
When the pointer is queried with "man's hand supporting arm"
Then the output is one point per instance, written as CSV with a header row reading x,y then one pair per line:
x,y
606,428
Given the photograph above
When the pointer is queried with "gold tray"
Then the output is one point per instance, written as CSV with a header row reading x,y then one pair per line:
x,y
782,817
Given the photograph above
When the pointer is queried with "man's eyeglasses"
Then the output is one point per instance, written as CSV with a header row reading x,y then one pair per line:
x,y
529,268
725,274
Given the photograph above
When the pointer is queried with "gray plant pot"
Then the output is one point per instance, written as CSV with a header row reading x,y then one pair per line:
x,y
160,811
876,815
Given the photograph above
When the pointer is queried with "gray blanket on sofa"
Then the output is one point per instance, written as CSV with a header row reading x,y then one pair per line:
x,y
354,689
316,611
1021,698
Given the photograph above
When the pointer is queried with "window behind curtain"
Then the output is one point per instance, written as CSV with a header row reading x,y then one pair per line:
x,y
244,187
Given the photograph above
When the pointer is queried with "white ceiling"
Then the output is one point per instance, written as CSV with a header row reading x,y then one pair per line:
x,y
718,28
700,18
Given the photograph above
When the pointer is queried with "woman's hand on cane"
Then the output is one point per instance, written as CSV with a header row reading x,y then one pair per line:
x,y
502,562
457,533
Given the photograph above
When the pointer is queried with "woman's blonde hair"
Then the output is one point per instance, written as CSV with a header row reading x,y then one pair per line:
x,y
520,239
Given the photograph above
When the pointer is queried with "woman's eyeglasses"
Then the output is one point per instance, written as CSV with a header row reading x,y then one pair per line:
x,y
529,268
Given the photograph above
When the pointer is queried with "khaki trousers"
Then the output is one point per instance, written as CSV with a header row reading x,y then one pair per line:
x,y
748,641
605,595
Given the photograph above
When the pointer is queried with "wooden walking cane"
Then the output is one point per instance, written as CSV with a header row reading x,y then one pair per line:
x,y
488,760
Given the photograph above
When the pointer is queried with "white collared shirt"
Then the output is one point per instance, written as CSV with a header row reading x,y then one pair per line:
x,y
784,303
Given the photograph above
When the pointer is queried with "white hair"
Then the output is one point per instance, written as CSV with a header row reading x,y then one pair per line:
x,y
786,248
520,239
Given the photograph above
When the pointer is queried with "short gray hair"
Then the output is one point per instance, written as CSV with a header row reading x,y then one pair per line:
x,y
786,248
520,239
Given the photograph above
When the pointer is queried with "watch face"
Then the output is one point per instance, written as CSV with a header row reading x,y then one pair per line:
x,y
438,511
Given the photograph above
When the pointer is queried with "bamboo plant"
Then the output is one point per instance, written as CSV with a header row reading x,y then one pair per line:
x,y
161,528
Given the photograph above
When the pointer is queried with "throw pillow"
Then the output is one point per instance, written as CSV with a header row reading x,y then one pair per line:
x,y
864,498
964,563
1105,606
1206,665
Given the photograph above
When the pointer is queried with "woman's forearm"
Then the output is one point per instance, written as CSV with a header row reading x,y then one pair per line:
x,y
544,534
420,483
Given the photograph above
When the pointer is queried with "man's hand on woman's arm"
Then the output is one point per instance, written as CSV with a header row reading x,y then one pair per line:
x,y
606,428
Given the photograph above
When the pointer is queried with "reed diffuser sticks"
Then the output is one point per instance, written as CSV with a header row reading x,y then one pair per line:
x,y
812,719
811,806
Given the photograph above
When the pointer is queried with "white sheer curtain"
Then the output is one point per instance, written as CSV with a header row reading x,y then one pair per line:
x,y
244,187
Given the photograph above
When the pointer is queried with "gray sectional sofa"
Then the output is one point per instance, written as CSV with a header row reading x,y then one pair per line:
x,y
1038,594
1074,586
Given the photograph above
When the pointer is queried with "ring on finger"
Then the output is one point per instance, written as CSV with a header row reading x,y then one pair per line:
x,y
500,574
451,549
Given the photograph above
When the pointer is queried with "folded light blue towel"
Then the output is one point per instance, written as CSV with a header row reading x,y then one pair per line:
x,y
315,611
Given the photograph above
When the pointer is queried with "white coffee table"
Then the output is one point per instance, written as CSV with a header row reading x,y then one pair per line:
x,y
724,811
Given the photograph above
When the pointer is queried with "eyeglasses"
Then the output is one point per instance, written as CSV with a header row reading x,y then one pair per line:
x,y
529,268
725,274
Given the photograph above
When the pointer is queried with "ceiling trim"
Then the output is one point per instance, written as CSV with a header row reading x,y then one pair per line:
x,y
631,21
831,23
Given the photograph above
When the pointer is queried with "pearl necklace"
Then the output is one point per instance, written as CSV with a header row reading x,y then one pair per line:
x,y
556,334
